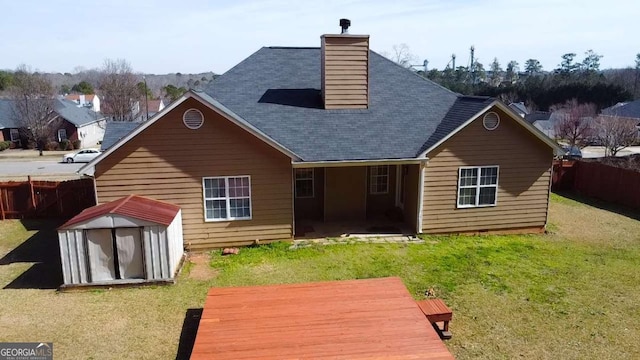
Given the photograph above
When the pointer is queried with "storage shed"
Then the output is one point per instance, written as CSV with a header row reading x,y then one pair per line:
x,y
130,240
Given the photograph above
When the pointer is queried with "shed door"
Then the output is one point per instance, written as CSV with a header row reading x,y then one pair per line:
x,y
129,246
100,249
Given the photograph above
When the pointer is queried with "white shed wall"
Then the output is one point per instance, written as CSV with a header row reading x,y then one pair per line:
x,y
156,253
176,246
73,256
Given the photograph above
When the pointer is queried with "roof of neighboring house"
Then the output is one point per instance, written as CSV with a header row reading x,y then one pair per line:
x,y
630,109
7,118
78,116
133,206
116,130
519,107
284,102
537,115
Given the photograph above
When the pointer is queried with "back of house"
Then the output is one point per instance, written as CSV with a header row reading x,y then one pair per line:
x,y
334,136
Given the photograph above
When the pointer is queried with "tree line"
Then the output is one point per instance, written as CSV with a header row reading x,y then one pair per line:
x,y
539,89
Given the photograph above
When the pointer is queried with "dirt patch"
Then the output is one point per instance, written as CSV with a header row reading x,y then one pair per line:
x,y
201,270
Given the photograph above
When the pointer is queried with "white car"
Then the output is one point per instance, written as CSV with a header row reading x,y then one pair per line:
x,y
85,155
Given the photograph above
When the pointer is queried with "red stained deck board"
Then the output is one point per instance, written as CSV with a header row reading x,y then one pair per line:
x,y
355,319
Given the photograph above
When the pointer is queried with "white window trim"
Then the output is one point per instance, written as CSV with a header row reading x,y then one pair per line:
x,y
313,183
372,189
226,198
65,135
477,186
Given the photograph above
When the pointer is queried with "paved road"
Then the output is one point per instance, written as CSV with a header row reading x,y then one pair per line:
x,y
49,169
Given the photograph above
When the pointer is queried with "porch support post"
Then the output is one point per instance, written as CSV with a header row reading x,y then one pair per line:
x,y
420,196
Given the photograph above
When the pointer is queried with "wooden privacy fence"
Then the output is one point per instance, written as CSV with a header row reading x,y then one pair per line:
x,y
608,183
600,181
36,199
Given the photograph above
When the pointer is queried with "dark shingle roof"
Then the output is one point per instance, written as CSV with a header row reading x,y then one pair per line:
x,y
78,116
277,90
537,115
7,118
116,130
630,109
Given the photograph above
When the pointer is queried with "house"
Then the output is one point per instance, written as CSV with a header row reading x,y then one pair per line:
x,y
148,108
543,121
77,123
90,101
628,110
9,129
70,123
331,135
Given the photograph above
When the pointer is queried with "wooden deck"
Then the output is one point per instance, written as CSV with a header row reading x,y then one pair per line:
x,y
356,319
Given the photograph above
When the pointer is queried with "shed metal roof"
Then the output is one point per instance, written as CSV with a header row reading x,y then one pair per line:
x,y
133,206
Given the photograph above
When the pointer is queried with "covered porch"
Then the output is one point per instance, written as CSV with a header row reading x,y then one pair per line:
x,y
356,200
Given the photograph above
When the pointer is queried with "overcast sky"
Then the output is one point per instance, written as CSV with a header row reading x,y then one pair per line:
x,y
196,36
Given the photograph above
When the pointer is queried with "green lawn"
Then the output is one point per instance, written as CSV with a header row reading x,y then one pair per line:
x,y
570,294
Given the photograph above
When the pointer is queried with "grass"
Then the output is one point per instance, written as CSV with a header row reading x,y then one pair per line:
x,y
571,294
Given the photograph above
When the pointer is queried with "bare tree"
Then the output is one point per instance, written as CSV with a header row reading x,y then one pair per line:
x,y
615,133
33,104
574,122
118,86
401,54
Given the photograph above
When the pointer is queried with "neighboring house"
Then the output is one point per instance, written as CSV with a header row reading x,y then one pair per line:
x,y
149,108
543,121
628,110
519,108
134,115
77,123
9,129
90,101
332,134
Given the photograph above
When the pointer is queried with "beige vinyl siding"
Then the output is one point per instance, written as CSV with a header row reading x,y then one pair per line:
x,y
345,193
167,162
523,183
345,71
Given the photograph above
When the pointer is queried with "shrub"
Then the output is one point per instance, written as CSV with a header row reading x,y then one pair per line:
x,y
4,145
77,144
51,145
66,145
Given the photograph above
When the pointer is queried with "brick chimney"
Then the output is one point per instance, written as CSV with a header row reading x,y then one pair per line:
x,y
345,69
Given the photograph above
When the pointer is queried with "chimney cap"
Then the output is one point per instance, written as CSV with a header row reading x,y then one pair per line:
x,y
344,24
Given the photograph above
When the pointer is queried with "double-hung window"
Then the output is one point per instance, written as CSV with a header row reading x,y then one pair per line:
x,y
379,179
304,183
227,198
477,186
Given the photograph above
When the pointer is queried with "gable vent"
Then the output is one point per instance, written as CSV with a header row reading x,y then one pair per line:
x,y
193,119
491,121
